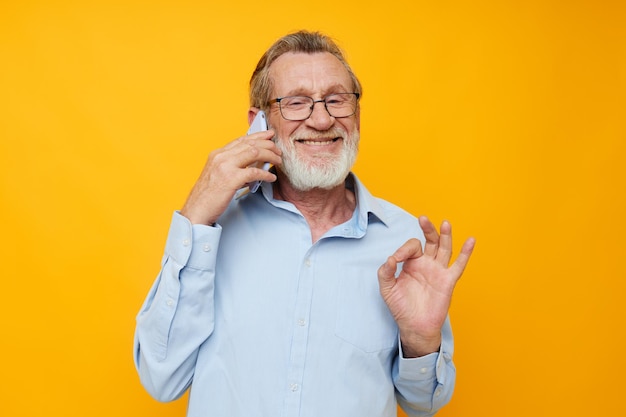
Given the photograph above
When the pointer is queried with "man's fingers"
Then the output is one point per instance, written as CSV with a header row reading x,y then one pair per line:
x,y
412,248
243,153
256,155
264,135
431,235
387,274
461,261
444,252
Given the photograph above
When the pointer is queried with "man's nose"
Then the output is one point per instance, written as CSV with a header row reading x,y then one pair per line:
x,y
320,119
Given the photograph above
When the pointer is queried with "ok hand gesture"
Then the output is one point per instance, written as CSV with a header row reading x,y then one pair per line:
x,y
419,297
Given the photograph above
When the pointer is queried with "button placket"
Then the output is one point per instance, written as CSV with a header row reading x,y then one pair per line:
x,y
299,343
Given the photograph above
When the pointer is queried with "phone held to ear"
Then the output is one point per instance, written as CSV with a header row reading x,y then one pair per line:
x,y
259,124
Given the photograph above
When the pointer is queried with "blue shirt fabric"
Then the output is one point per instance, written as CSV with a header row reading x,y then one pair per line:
x,y
260,321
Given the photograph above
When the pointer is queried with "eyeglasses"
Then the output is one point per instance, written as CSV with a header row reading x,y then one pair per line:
x,y
301,107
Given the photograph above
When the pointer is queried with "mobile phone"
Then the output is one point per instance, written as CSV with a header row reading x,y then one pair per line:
x,y
259,124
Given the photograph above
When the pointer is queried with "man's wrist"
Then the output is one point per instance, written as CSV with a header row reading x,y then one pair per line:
x,y
417,347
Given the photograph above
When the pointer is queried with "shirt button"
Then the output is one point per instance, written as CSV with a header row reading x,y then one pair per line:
x,y
423,370
301,322
206,247
294,387
307,262
186,242
170,302
437,392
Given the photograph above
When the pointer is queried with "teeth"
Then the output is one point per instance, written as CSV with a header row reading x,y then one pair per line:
x,y
316,143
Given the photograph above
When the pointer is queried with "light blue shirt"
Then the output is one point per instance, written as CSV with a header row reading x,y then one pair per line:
x,y
259,321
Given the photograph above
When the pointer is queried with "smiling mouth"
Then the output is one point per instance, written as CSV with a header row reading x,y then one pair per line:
x,y
318,142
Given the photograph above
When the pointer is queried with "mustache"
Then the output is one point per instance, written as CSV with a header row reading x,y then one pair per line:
x,y
316,134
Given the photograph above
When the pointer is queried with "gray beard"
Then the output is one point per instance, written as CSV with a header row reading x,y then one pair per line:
x,y
326,171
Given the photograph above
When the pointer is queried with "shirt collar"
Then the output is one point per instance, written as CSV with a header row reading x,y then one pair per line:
x,y
368,208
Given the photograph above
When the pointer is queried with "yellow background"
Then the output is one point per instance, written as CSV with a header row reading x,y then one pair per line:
x,y
507,118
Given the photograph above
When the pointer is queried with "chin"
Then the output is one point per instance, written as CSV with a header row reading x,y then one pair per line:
x,y
325,176
323,172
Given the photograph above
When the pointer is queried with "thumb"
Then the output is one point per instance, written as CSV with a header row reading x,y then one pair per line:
x,y
387,274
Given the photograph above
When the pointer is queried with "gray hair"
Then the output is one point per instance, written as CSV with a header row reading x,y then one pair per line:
x,y
302,41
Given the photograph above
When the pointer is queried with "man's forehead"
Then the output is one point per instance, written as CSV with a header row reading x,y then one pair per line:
x,y
299,72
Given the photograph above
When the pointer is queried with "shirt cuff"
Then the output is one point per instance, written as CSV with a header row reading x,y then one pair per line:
x,y
190,245
431,366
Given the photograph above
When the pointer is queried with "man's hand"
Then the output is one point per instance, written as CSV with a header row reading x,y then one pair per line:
x,y
227,170
420,296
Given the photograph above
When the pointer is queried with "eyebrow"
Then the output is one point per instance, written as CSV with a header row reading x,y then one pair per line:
x,y
332,89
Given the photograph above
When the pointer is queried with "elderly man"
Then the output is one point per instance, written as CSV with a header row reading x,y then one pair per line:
x,y
309,297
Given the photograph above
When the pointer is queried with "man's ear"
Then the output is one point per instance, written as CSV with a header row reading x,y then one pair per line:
x,y
251,113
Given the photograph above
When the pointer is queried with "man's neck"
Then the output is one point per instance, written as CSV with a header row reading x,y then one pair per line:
x,y
322,209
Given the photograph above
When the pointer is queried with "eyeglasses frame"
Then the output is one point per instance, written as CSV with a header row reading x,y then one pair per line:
x,y
323,100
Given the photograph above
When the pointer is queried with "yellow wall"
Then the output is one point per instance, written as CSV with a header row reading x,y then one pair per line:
x,y
506,118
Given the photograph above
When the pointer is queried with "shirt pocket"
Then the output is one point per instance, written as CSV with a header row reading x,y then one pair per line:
x,y
363,319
